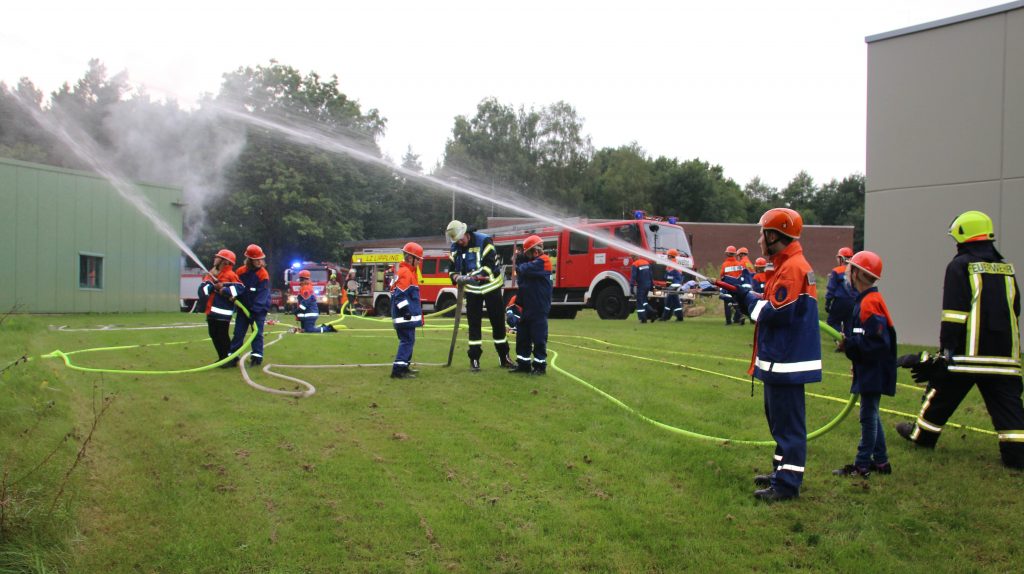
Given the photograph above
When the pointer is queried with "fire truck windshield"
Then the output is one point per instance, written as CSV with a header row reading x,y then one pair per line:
x,y
315,275
666,237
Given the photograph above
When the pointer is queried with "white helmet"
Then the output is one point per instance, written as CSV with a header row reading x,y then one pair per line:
x,y
455,230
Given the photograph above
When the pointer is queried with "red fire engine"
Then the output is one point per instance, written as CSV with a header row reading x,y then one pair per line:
x,y
590,273
375,269
319,275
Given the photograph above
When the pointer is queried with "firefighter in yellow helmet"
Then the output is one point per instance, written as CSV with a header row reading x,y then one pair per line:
x,y
979,342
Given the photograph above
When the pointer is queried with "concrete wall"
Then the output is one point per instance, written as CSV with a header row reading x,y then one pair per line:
x,y
945,134
50,216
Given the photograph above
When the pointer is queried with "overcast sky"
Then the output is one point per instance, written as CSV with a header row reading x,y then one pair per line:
x,y
761,88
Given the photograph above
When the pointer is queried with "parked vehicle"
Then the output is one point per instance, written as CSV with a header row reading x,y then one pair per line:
x,y
375,269
188,289
319,274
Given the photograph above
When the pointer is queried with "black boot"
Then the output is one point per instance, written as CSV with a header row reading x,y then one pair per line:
x,y
474,365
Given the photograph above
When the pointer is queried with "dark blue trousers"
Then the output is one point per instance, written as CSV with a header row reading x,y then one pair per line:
x,y
786,413
643,310
242,324
310,326
406,341
672,306
532,339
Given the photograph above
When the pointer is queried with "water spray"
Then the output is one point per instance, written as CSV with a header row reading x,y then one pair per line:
x,y
86,149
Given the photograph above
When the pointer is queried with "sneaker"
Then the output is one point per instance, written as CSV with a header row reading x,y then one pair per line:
x,y
474,365
763,480
771,495
884,468
853,470
506,363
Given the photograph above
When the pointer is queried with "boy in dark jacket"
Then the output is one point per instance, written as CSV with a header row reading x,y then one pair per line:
x,y
218,292
306,309
406,311
534,279
256,298
870,343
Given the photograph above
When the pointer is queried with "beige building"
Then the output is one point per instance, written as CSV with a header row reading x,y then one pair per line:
x,y
945,134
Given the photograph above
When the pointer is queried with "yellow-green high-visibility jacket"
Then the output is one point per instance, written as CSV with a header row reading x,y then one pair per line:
x,y
478,258
980,311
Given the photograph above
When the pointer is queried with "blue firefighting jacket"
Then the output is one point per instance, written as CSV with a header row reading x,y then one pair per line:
x,y
219,305
787,343
306,308
641,277
478,258
256,289
871,345
534,279
406,311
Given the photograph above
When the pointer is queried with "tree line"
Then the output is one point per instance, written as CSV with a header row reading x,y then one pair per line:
x,y
245,183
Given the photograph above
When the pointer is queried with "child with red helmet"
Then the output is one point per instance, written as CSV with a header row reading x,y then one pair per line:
x,y
306,309
533,272
256,298
219,290
406,311
869,341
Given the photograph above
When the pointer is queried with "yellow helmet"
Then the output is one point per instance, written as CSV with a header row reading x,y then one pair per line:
x,y
972,226
455,230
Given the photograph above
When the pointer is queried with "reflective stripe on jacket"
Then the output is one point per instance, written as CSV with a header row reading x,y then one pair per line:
x,y
406,311
478,258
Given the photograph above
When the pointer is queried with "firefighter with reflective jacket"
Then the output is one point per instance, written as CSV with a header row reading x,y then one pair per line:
x,y
306,309
730,271
641,280
743,256
534,296
839,296
219,290
256,298
475,265
674,279
979,342
869,341
406,311
787,348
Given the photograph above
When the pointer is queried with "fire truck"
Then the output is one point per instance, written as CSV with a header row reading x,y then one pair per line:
x,y
590,273
188,289
375,269
319,275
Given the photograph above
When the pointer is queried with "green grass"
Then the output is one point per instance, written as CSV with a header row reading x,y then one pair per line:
x,y
463,472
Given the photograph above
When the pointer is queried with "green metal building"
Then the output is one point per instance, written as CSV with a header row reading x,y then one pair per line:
x,y
72,244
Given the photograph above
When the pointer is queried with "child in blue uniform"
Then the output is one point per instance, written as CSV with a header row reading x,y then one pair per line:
x,y
870,343
534,280
406,311
306,309
256,298
674,278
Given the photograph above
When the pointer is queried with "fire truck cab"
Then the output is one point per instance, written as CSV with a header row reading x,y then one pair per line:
x,y
319,275
589,272
376,269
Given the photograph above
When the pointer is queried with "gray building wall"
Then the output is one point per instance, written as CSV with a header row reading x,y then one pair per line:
x,y
945,134
51,216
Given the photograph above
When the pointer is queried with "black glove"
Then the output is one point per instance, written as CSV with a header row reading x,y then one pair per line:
x,y
407,317
828,305
924,367
739,293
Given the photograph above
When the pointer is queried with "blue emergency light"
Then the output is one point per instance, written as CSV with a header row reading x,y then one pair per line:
x,y
638,214
672,220
296,264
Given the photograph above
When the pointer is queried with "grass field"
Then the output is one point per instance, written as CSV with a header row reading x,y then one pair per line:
x,y
463,472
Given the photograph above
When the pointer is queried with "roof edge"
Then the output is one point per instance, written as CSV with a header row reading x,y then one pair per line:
x,y
945,21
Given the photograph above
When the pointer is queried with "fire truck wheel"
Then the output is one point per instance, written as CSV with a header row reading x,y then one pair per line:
x,y
611,303
382,306
445,301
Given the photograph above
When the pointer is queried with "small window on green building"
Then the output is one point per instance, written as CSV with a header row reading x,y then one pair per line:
x,y
90,271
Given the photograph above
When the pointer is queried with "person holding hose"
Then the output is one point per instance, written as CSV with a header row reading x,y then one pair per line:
x,y
978,340
731,270
674,279
475,266
640,282
256,298
869,341
534,273
406,311
219,290
787,348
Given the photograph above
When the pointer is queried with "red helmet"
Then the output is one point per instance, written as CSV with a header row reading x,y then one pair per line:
x,y
673,253
304,274
227,255
254,252
413,249
783,220
532,241
742,251
845,252
761,262
730,250
868,262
